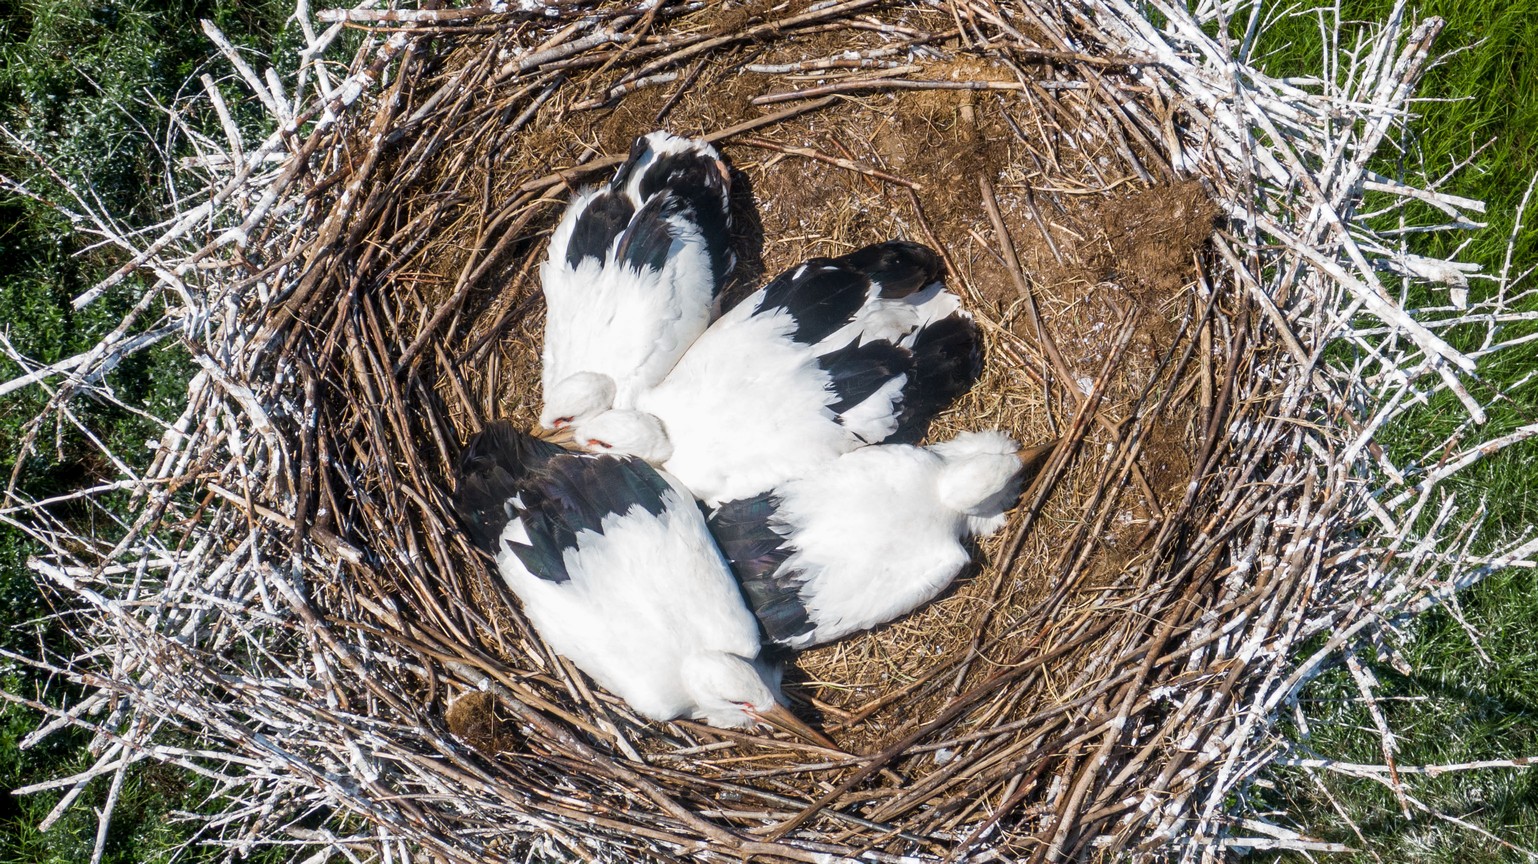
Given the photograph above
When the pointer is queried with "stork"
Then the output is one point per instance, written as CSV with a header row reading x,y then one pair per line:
x,y
615,568
829,356
870,537
633,269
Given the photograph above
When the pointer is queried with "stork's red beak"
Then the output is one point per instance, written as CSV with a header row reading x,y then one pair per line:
x,y
780,718
562,436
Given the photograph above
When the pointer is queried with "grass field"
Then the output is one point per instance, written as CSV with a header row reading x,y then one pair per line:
x,y
77,76
1472,691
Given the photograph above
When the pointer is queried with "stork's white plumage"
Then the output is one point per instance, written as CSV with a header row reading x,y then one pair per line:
x,y
871,536
633,270
616,570
828,357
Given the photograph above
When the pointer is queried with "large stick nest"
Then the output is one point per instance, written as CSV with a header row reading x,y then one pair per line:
x,y
1155,281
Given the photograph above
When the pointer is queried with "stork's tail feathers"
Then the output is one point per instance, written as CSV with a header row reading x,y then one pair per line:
x,y
693,172
857,371
594,220
492,469
947,361
896,268
756,552
664,180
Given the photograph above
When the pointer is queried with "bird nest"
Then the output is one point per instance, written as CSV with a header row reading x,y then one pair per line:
x,y
1160,243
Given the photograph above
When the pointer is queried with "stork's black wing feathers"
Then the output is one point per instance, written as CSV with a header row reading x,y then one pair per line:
x,y
598,225
898,268
860,370
496,464
646,243
819,295
694,177
757,556
690,183
947,361
824,294
574,494
559,494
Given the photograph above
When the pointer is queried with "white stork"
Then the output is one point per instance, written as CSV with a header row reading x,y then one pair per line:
x,y
633,270
828,357
616,570
871,536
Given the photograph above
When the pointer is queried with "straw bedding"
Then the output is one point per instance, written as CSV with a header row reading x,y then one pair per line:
x,y
1094,686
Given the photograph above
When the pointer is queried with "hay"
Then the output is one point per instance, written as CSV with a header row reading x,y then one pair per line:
x,y
1165,249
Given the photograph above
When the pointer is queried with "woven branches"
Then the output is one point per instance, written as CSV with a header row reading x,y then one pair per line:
x,y
1167,249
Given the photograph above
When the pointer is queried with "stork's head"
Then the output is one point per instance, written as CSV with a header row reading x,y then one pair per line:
x,y
577,397
624,432
733,692
980,477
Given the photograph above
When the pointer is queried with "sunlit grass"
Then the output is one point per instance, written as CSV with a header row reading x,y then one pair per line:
x,y
1472,691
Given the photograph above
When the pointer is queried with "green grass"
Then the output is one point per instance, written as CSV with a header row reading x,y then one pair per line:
x,y
1457,704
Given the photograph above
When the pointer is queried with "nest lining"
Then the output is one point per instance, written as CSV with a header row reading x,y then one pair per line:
x,y
1110,249
1084,689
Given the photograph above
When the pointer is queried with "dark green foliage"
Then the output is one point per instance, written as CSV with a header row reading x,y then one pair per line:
x,y
82,83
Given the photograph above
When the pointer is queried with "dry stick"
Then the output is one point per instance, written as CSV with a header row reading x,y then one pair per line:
x,y
1192,743
878,84
1129,446
1386,741
1065,820
1066,450
519,212
416,16
701,45
742,789
550,182
619,91
947,714
1017,274
929,231
455,655
678,93
846,164
331,229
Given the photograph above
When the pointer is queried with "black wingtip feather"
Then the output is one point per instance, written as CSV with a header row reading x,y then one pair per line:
x,y
563,494
597,227
649,239
857,370
574,494
697,178
494,466
899,267
820,297
947,361
756,553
